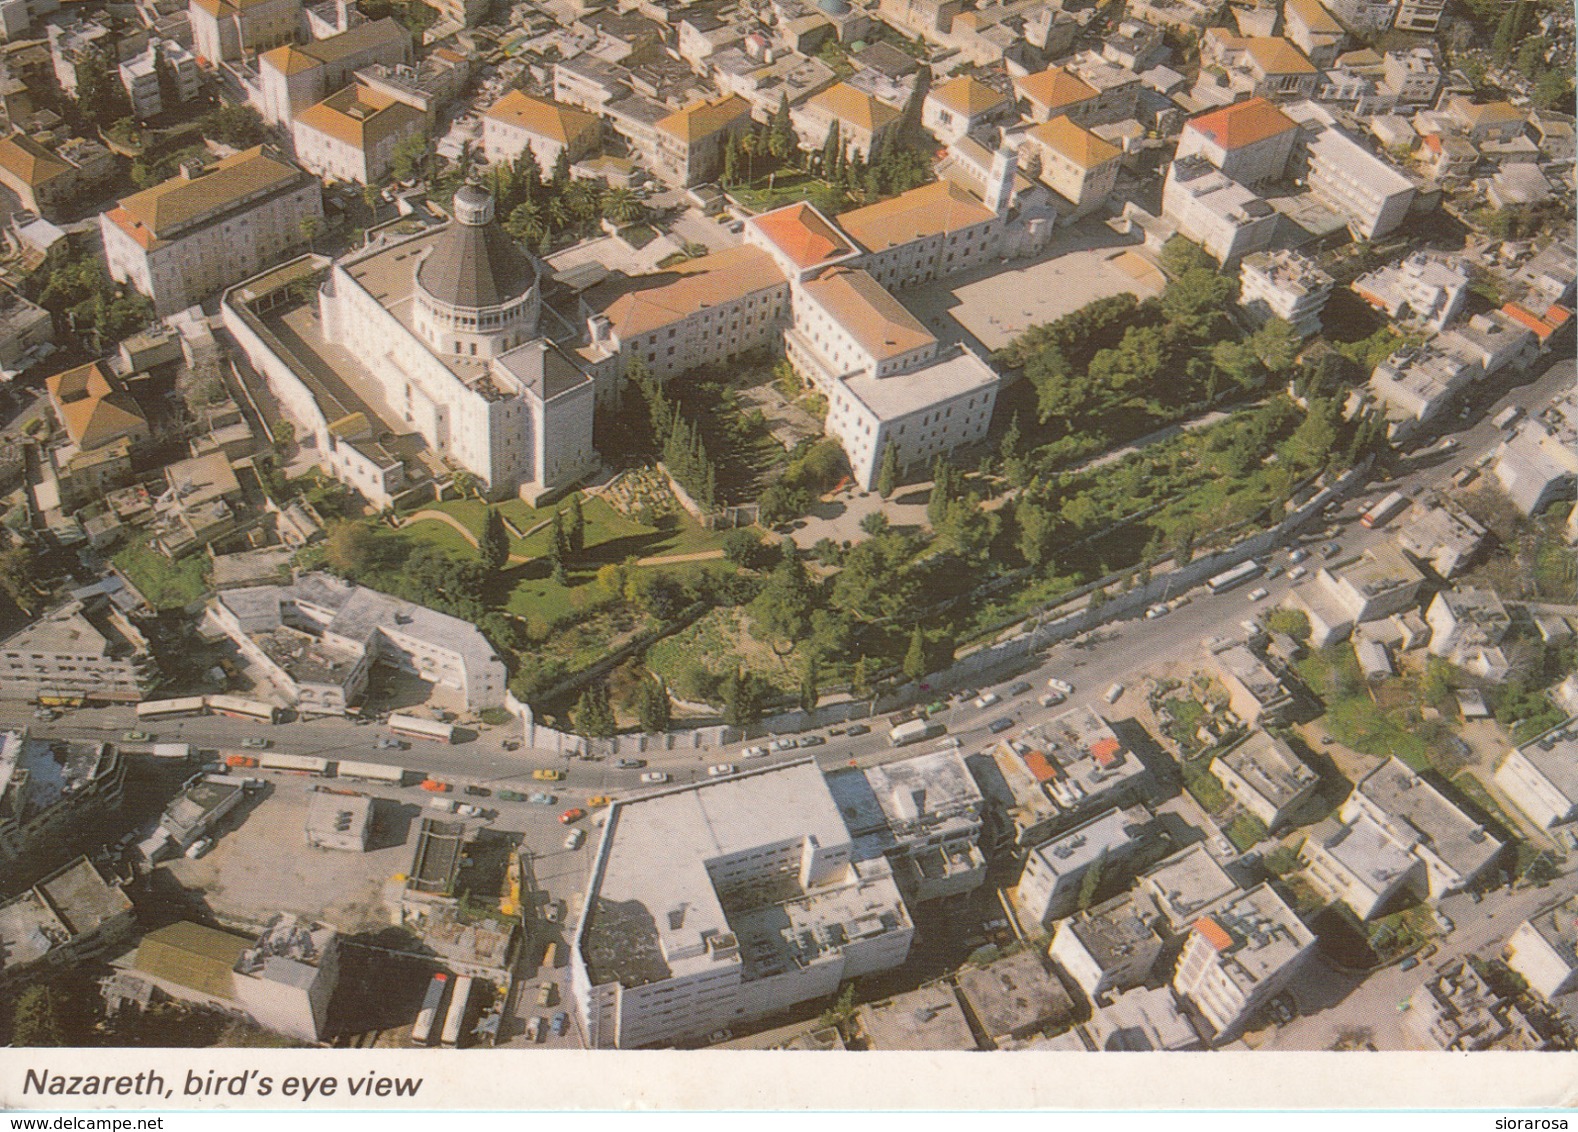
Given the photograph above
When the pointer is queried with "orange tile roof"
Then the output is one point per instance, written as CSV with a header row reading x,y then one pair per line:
x,y
1553,320
868,313
1076,143
1243,123
1040,769
856,108
1105,751
1213,933
179,200
1486,113
802,234
360,116
288,60
93,409
1054,89
540,116
641,305
939,207
30,162
1315,16
1276,56
968,96
703,119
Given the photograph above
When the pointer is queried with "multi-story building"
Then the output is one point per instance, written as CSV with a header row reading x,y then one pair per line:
x,y
1250,141
1286,285
1456,850
1457,1010
1419,382
1254,693
205,229
1113,947
1483,122
1226,219
1541,776
25,327
48,181
711,905
52,793
147,91
293,77
962,105
69,917
1265,777
1441,535
1423,288
1055,871
1142,1021
1076,164
1544,950
1239,956
518,122
1266,66
226,30
1361,865
1313,30
94,409
1055,92
1367,190
83,648
1365,15
1185,885
863,121
352,135
689,143
1413,77
318,639
1117,87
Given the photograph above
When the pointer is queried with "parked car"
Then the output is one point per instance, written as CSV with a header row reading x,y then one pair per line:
x,y
1050,699
1161,609
434,786
540,798
479,791
598,800
1019,688
136,737
560,1023
936,707
442,805
999,725
858,729
254,744
1113,694
467,810
1061,686
1328,549
573,814
1297,572
510,796
545,774
1298,555
45,715
754,753
1273,572
511,744
987,699
720,770
654,778
813,741
576,839
200,848
631,764
1409,964
545,994
389,745
1259,593
785,744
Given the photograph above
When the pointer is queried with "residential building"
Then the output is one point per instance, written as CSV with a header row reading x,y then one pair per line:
x,y
1467,628
1539,463
226,30
429,85
689,142
1367,190
1418,383
1226,219
1361,865
49,181
1284,284
863,121
1455,849
25,329
1267,66
1185,884
1254,693
1365,15
930,1018
1142,1020
1541,777
1055,93
1375,584
1313,30
1117,88
1457,1010
352,135
1113,947
1413,77
1544,950
713,904
68,918
961,105
294,77
1264,776
318,638
1423,288
924,814
94,408
1239,956
1054,873
51,794
1250,141
1422,17
1075,164
518,122
203,230
924,18
140,76
194,813
1494,339
1440,535
78,649
1014,997
1484,122
281,979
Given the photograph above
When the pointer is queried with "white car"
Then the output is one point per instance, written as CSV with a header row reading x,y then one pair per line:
x,y
720,770
1259,593
198,848
1113,694
1297,572
783,744
1298,555
986,699
467,810
1161,609
754,753
654,778
576,839
443,805
1061,686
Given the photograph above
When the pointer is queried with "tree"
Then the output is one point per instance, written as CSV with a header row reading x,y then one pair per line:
x,y
781,140
310,227
888,475
782,611
860,677
575,529
621,206
17,570
742,699
40,1018
101,98
239,126
876,524
1181,255
739,547
832,152
594,718
494,545
169,84
409,158
524,223
809,694
915,656
1090,883
652,706
556,550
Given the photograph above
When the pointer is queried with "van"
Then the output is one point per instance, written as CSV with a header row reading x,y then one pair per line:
x,y
1113,694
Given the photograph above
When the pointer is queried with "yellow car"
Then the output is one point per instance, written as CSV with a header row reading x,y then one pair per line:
x,y
598,800
548,775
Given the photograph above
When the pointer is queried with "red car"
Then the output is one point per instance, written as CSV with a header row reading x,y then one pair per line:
x,y
573,814
434,786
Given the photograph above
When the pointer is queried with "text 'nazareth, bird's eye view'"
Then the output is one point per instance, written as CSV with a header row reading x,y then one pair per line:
x,y
819,525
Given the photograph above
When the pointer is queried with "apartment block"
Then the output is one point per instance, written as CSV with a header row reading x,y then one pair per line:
x,y
1544,950
140,76
1541,776
1055,870
1455,849
518,122
1238,956
1363,187
1423,288
227,30
1226,219
294,77
1284,284
352,135
1264,776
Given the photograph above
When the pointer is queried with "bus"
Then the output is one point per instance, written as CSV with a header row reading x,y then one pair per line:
x,y
1384,510
422,1029
456,1018
1237,576
373,772
417,728
55,698
915,731
298,764
171,709
237,708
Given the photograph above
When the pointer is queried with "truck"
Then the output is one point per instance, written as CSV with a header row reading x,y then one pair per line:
x,y
454,1021
373,772
422,1029
915,731
1387,507
296,764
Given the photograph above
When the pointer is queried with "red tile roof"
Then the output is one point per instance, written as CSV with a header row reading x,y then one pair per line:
x,y
1243,123
1213,933
800,232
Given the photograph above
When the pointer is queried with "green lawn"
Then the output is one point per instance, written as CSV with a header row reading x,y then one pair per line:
x,y
787,187
166,584
1245,831
1202,784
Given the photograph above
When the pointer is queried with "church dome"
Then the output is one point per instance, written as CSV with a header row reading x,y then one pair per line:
x,y
475,265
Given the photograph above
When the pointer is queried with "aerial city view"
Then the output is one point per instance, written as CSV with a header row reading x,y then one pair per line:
x,y
789,524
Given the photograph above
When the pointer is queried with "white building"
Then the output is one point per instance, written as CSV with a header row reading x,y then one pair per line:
x,y
1265,777
1443,536
1142,1021
1186,884
715,904
78,649
140,77
1423,288
319,637
1418,383
959,106
1365,15
1112,947
1367,190
518,122
293,77
1238,957
1419,16
1455,849
203,230
1540,462
1250,141
1055,870
1362,866
1541,777
1284,284
1076,164
223,30
1467,628
1544,950
1226,219
352,135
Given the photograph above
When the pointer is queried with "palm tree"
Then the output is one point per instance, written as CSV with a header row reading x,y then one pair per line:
x,y
580,198
557,213
621,206
748,147
525,222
